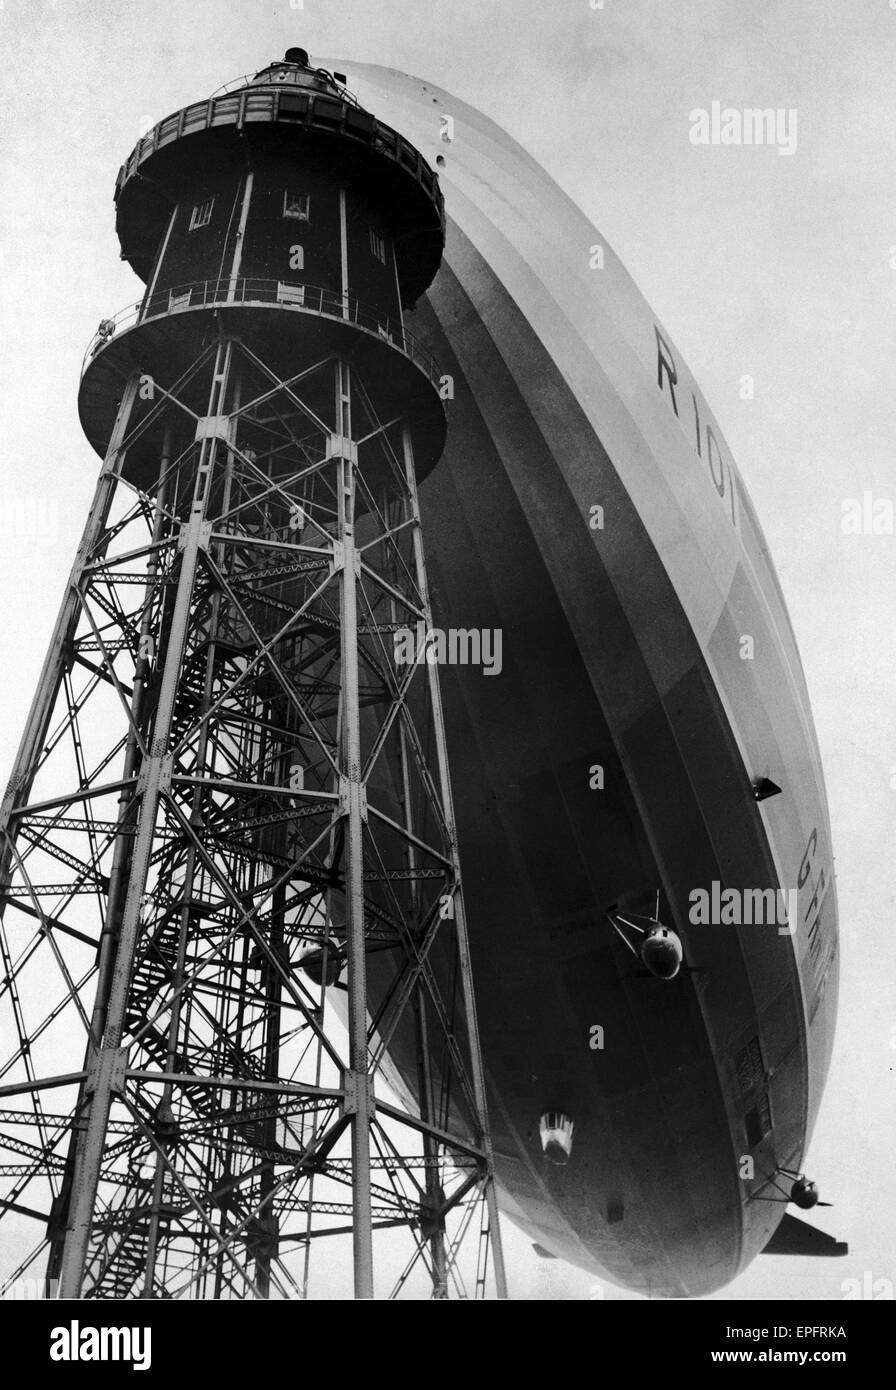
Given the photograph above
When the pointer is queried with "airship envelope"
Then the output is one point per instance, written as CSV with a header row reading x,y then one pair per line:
x,y
631,741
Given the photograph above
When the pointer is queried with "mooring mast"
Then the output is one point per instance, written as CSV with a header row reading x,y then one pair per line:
x,y
230,806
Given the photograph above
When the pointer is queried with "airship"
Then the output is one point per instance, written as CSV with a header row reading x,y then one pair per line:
x,y
641,811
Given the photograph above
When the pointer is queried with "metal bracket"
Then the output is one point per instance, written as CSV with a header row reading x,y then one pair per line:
x,y
202,531
337,562
357,1086
348,792
339,446
166,769
213,427
111,1065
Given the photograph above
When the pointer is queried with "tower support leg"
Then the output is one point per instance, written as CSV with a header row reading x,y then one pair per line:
x,y
106,1075
352,796
463,944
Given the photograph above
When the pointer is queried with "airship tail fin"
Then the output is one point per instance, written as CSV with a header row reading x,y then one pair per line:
x,y
796,1237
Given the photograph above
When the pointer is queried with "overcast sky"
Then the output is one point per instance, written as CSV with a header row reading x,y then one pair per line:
x,y
757,263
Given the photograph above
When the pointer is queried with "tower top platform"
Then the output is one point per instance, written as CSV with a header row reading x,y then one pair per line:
x,y
287,107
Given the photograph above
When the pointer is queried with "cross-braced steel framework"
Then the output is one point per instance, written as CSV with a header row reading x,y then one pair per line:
x,y
231,808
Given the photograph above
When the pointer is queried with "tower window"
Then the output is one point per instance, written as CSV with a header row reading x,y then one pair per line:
x,y
377,246
201,214
290,294
297,205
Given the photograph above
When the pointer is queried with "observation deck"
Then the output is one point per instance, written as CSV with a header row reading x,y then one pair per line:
x,y
161,335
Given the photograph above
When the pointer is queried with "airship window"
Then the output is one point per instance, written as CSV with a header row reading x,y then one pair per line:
x,y
297,205
201,214
748,1064
758,1122
377,246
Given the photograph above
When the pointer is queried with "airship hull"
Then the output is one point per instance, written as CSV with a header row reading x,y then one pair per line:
x,y
588,510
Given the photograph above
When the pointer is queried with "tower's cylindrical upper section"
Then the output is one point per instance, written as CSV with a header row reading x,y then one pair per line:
x,y
285,179
282,212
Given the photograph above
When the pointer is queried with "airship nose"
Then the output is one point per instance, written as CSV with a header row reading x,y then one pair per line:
x,y
662,953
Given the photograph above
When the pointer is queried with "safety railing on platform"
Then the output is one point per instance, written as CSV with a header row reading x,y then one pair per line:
x,y
295,297
327,111
281,73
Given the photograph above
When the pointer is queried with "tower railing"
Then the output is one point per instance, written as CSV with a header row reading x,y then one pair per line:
x,y
239,84
328,112
293,296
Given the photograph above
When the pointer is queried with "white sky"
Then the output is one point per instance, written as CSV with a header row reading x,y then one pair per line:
x,y
757,263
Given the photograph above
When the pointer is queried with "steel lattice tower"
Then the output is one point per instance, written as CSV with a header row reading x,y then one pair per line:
x,y
230,881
